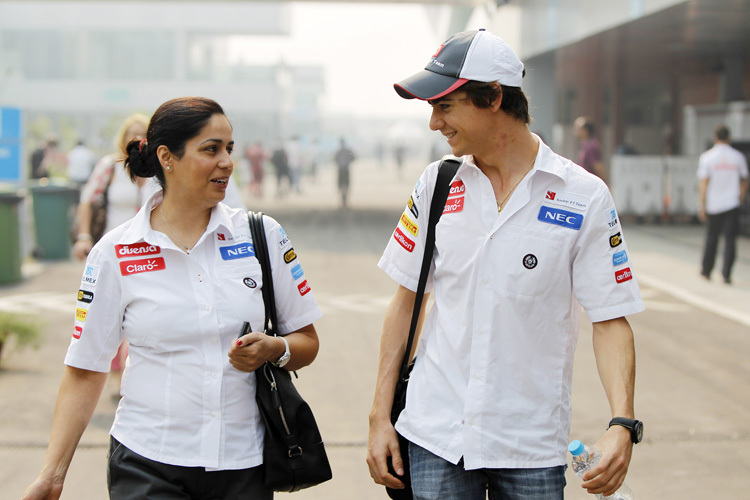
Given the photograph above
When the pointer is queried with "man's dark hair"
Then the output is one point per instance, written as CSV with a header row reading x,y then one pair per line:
x,y
722,133
514,101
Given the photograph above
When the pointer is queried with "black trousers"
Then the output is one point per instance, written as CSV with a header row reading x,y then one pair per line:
x,y
133,477
729,224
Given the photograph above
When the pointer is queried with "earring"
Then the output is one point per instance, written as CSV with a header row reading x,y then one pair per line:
x,y
168,167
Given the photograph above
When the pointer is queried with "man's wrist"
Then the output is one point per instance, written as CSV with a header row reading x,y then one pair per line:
x,y
84,237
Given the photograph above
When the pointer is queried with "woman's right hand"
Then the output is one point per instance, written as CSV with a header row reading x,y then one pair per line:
x,y
81,248
43,488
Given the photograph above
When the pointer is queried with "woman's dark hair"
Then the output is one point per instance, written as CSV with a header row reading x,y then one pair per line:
x,y
514,101
172,125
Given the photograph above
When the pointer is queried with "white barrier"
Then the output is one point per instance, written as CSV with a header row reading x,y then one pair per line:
x,y
637,184
682,186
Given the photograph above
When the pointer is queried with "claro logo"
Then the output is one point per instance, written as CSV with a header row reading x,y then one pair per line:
x,y
136,249
142,266
454,205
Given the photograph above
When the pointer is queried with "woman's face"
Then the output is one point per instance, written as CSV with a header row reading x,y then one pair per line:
x,y
135,131
203,172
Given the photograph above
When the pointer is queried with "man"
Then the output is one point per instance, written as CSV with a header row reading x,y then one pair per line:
x,y
525,237
343,158
81,161
723,181
590,151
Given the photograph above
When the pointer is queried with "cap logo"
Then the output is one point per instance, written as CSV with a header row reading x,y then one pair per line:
x,y
438,51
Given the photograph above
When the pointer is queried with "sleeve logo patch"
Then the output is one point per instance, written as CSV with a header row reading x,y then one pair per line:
x,y
238,251
405,242
619,258
90,275
297,272
136,249
615,240
612,219
454,205
85,296
81,314
413,207
623,275
303,288
290,256
409,224
142,266
560,217
77,332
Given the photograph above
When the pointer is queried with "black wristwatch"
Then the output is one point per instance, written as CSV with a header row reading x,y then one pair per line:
x,y
634,426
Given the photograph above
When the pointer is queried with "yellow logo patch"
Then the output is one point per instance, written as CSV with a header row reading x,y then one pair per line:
x,y
81,314
409,224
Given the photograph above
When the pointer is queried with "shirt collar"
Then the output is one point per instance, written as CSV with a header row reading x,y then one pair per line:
x,y
546,161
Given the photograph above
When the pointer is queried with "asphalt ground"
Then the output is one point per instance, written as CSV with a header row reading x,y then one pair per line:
x,y
692,343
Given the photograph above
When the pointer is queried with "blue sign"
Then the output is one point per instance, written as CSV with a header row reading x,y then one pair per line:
x,y
560,217
10,144
239,251
10,123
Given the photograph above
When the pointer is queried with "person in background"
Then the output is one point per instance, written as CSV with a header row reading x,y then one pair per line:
x,y
280,162
172,282
256,155
294,162
524,238
81,161
47,159
590,151
722,187
112,190
343,159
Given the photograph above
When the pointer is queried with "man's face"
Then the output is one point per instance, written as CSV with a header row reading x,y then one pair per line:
x,y
461,123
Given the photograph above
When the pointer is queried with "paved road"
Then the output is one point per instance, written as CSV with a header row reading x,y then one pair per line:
x,y
692,344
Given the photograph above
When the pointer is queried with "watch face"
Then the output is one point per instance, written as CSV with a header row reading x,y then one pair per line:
x,y
638,431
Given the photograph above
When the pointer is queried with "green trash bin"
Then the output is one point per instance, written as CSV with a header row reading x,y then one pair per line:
x,y
53,219
10,238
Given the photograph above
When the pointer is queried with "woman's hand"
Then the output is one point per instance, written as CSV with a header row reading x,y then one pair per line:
x,y
81,248
252,350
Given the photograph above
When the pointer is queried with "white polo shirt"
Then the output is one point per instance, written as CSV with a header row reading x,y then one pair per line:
x,y
724,167
492,380
183,403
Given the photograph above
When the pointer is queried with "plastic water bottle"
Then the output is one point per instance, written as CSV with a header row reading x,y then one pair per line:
x,y
585,458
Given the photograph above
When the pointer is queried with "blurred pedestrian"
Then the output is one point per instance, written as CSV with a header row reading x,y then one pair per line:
x,y
294,161
313,159
81,161
399,154
723,184
46,160
590,151
525,239
280,162
177,281
256,155
343,158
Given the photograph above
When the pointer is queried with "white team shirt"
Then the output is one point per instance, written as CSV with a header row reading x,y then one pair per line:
x,y
492,380
183,403
723,166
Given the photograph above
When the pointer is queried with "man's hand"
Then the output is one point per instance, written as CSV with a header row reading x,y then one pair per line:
x,y
609,474
382,444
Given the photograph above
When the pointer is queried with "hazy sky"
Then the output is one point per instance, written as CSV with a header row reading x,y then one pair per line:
x,y
364,48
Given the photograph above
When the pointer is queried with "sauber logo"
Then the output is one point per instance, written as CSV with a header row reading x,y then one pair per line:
x,y
409,224
457,189
221,237
303,288
403,240
142,266
623,275
78,330
551,195
454,205
136,249
438,51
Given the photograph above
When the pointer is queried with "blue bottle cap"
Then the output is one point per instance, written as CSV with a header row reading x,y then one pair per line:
x,y
575,448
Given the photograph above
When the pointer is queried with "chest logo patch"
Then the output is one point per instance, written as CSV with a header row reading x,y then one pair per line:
x,y
454,205
569,200
138,266
238,251
249,282
530,261
136,249
623,275
560,217
402,239
457,189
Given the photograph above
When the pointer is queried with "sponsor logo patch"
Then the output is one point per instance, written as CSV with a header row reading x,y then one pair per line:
x,y
221,237
238,251
249,282
136,249
303,288
615,240
409,224
623,275
290,256
612,222
530,261
560,217
569,200
283,241
457,189
403,240
297,272
454,205
412,207
138,266
81,314
90,275
85,296
619,258
77,332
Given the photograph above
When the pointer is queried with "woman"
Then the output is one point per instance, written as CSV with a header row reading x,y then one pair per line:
x,y
177,281
111,181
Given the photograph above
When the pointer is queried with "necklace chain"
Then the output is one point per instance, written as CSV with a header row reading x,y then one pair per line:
x,y
179,241
502,203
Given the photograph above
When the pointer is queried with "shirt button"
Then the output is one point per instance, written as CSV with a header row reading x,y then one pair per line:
x,y
208,308
481,330
484,281
200,279
213,414
214,374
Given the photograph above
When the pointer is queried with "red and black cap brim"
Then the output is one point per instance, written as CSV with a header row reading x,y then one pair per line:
x,y
427,85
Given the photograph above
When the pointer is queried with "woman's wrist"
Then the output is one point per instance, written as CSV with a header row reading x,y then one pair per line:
x,y
84,237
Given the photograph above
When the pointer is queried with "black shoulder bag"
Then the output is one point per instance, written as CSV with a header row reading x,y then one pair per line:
x,y
293,453
446,172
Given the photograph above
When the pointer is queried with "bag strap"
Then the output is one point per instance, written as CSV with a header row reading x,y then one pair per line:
x,y
446,171
258,234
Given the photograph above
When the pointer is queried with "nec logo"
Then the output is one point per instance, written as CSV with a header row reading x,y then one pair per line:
x,y
560,217
239,251
136,249
623,275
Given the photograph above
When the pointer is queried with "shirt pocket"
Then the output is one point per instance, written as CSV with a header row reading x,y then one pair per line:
x,y
529,262
238,293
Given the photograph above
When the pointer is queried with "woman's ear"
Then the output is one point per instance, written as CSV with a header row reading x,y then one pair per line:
x,y
164,156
